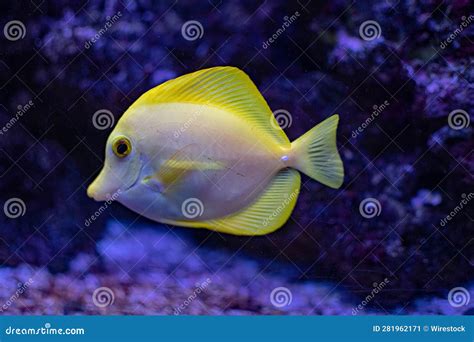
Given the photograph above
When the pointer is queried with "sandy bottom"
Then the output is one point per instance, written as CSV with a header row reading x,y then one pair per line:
x,y
155,271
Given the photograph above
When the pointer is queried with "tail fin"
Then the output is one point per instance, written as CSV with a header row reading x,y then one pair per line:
x,y
315,154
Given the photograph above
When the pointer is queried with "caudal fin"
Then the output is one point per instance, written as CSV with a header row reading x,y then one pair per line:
x,y
315,154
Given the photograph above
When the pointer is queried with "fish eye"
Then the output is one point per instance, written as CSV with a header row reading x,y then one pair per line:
x,y
122,147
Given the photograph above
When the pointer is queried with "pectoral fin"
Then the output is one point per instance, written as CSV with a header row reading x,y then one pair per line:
x,y
153,183
175,168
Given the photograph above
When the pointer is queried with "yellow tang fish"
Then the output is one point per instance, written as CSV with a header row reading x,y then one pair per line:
x,y
205,151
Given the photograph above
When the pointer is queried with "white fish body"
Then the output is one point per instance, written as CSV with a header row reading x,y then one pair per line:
x,y
206,151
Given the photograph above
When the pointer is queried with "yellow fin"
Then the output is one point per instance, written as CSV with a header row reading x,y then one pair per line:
x,y
268,213
228,88
176,167
315,154
198,165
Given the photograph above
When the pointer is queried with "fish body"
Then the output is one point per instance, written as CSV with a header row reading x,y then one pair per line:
x,y
204,150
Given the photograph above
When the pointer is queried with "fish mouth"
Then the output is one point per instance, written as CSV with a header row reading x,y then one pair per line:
x,y
100,195
104,189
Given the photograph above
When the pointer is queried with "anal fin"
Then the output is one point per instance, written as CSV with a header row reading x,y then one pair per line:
x,y
266,214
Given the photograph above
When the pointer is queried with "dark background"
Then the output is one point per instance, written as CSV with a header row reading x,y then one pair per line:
x,y
408,158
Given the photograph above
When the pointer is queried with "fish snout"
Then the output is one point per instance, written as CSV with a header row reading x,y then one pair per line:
x,y
100,196
104,188
94,194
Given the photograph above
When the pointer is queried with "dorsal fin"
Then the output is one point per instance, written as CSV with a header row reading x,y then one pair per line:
x,y
228,88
